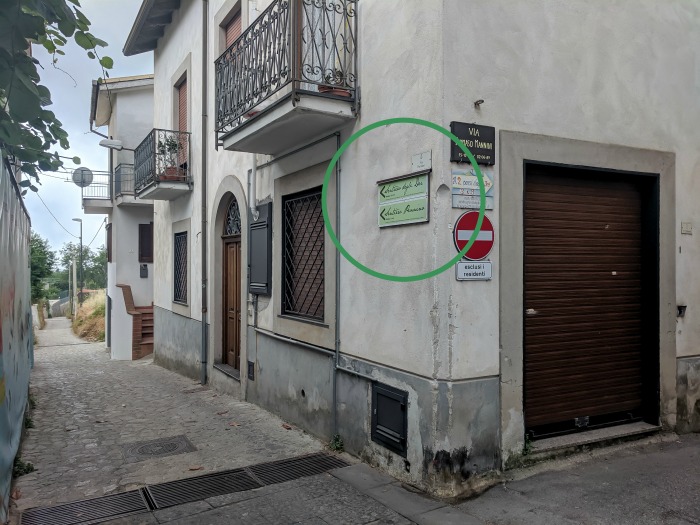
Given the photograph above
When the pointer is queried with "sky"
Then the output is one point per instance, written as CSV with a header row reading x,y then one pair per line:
x,y
111,22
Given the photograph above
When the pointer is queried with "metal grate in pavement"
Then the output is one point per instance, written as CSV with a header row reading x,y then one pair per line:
x,y
156,448
201,487
294,468
182,491
87,511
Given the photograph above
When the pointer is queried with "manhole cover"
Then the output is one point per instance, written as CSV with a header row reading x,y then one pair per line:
x,y
156,448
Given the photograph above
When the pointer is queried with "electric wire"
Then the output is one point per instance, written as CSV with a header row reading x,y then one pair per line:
x,y
98,231
54,217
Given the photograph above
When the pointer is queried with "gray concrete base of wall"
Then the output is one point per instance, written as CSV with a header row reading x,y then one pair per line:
x,y
177,342
688,415
453,426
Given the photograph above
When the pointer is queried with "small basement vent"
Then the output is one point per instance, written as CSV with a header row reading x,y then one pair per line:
x,y
390,417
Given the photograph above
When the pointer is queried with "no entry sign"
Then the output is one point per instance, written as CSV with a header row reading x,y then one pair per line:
x,y
464,229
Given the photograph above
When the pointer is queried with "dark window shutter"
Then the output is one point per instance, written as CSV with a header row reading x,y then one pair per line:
x,y
109,242
260,252
233,29
146,243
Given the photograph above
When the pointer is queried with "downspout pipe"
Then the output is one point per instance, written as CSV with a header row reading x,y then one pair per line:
x,y
336,356
203,182
252,189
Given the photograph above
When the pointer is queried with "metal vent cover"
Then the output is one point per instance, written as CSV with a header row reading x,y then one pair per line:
x,y
88,511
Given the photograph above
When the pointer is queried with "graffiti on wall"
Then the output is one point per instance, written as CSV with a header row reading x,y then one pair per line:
x,y
16,348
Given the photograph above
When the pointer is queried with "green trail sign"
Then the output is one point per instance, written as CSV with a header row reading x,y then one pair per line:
x,y
395,189
404,199
404,212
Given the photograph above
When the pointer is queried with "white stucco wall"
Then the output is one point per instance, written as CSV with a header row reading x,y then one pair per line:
x,y
179,51
623,75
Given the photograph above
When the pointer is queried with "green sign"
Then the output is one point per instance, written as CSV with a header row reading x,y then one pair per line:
x,y
404,212
403,188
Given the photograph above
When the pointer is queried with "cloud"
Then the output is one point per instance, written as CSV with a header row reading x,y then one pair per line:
x,y
70,91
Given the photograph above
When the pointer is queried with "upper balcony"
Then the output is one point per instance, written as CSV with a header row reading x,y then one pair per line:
x,y
97,196
124,180
161,165
290,77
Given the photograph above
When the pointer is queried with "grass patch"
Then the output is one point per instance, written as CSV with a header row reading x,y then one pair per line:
x,y
89,321
336,444
41,313
20,468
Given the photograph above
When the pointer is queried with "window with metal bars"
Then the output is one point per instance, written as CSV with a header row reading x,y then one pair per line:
x,y
303,255
180,267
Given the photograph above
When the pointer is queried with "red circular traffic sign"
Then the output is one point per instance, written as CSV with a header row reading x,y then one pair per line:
x,y
464,229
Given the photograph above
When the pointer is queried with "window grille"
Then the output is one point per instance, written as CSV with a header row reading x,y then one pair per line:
x,y
303,255
233,219
180,267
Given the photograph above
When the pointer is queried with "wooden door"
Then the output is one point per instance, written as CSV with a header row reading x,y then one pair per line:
x,y
583,299
232,303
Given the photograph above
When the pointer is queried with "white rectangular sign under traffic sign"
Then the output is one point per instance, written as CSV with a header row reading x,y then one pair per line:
x,y
473,271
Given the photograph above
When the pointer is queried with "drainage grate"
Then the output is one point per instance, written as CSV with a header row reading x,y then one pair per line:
x,y
294,468
181,491
195,489
88,511
156,448
210,485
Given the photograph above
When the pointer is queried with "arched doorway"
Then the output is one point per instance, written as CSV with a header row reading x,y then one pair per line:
x,y
231,279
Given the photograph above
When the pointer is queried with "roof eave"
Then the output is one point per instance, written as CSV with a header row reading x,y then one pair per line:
x,y
152,19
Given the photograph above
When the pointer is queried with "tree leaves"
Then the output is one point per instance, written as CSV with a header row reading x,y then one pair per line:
x,y
27,131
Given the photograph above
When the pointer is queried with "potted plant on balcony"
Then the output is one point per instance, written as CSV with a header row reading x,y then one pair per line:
x,y
332,80
168,149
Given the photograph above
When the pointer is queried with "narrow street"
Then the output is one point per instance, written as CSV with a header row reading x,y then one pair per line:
x,y
89,407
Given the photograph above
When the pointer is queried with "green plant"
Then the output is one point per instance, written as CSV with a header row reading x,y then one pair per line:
x,y
167,148
20,468
336,444
99,311
32,401
527,446
28,422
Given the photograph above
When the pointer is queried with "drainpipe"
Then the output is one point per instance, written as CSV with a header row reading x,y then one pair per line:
x,y
337,291
252,188
205,132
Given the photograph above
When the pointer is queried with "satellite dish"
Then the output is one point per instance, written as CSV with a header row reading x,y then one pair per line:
x,y
82,177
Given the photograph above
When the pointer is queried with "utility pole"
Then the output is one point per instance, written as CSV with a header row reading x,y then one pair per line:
x,y
80,298
74,291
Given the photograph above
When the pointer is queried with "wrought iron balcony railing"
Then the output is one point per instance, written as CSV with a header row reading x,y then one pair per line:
x,y
306,46
124,180
163,156
99,188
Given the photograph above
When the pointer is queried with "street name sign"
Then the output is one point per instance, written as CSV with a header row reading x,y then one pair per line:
x,y
480,140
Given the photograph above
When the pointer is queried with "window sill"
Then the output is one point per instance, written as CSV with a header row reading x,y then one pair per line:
x,y
229,371
303,320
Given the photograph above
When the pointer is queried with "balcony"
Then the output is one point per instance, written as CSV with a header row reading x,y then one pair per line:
x,y
124,193
97,196
161,165
290,77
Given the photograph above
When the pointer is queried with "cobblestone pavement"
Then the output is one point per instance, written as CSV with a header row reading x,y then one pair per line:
x,y
88,406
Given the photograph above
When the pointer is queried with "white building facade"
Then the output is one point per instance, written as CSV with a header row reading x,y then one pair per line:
x,y
584,133
125,107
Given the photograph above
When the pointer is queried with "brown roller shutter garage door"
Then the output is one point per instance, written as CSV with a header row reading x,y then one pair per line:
x,y
584,299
